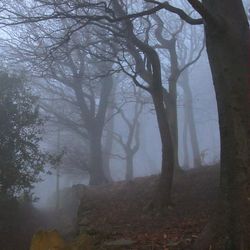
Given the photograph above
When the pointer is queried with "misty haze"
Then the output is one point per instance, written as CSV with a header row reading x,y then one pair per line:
x,y
124,125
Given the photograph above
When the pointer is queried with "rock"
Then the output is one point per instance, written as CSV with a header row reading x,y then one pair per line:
x,y
47,240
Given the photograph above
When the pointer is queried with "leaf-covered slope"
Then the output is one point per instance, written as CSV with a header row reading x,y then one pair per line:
x,y
120,211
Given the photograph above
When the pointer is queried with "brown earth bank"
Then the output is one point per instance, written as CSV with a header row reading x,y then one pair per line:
x,y
120,211
117,216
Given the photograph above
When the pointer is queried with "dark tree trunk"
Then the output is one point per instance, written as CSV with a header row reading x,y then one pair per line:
x,y
186,163
167,168
94,119
106,91
152,75
170,96
108,150
108,144
97,175
129,166
227,51
171,107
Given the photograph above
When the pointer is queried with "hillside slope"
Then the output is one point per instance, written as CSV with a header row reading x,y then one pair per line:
x,y
118,213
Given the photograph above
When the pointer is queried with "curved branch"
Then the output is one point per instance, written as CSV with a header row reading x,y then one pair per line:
x,y
195,59
181,13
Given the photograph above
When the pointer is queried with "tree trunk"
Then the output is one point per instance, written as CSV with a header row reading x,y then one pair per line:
x,y
100,118
95,126
171,107
108,145
167,168
163,195
108,150
227,51
97,175
186,163
129,166
189,118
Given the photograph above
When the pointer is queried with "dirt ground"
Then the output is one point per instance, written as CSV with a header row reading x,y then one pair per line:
x,y
120,211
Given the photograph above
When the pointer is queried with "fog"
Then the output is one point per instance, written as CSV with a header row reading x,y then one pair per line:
x,y
147,160
104,104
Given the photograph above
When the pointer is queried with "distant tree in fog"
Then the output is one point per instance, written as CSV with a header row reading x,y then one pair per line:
x,y
130,143
227,39
189,55
145,68
180,50
82,82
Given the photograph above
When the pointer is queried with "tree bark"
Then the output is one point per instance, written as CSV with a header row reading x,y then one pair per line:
x,y
97,175
94,120
108,150
186,163
152,75
167,168
227,51
108,145
129,166
171,107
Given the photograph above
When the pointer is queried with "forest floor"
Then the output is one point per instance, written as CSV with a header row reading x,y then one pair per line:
x,y
119,211
118,214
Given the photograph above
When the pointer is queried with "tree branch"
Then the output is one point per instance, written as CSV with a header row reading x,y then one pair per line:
x,y
182,14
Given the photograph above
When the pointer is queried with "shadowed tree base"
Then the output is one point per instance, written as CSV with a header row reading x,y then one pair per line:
x,y
162,201
98,180
159,208
179,171
216,236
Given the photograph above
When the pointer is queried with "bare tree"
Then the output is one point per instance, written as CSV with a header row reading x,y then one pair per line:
x,y
227,31
227,36
173,48
131,144
148,68
189,123
86,78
